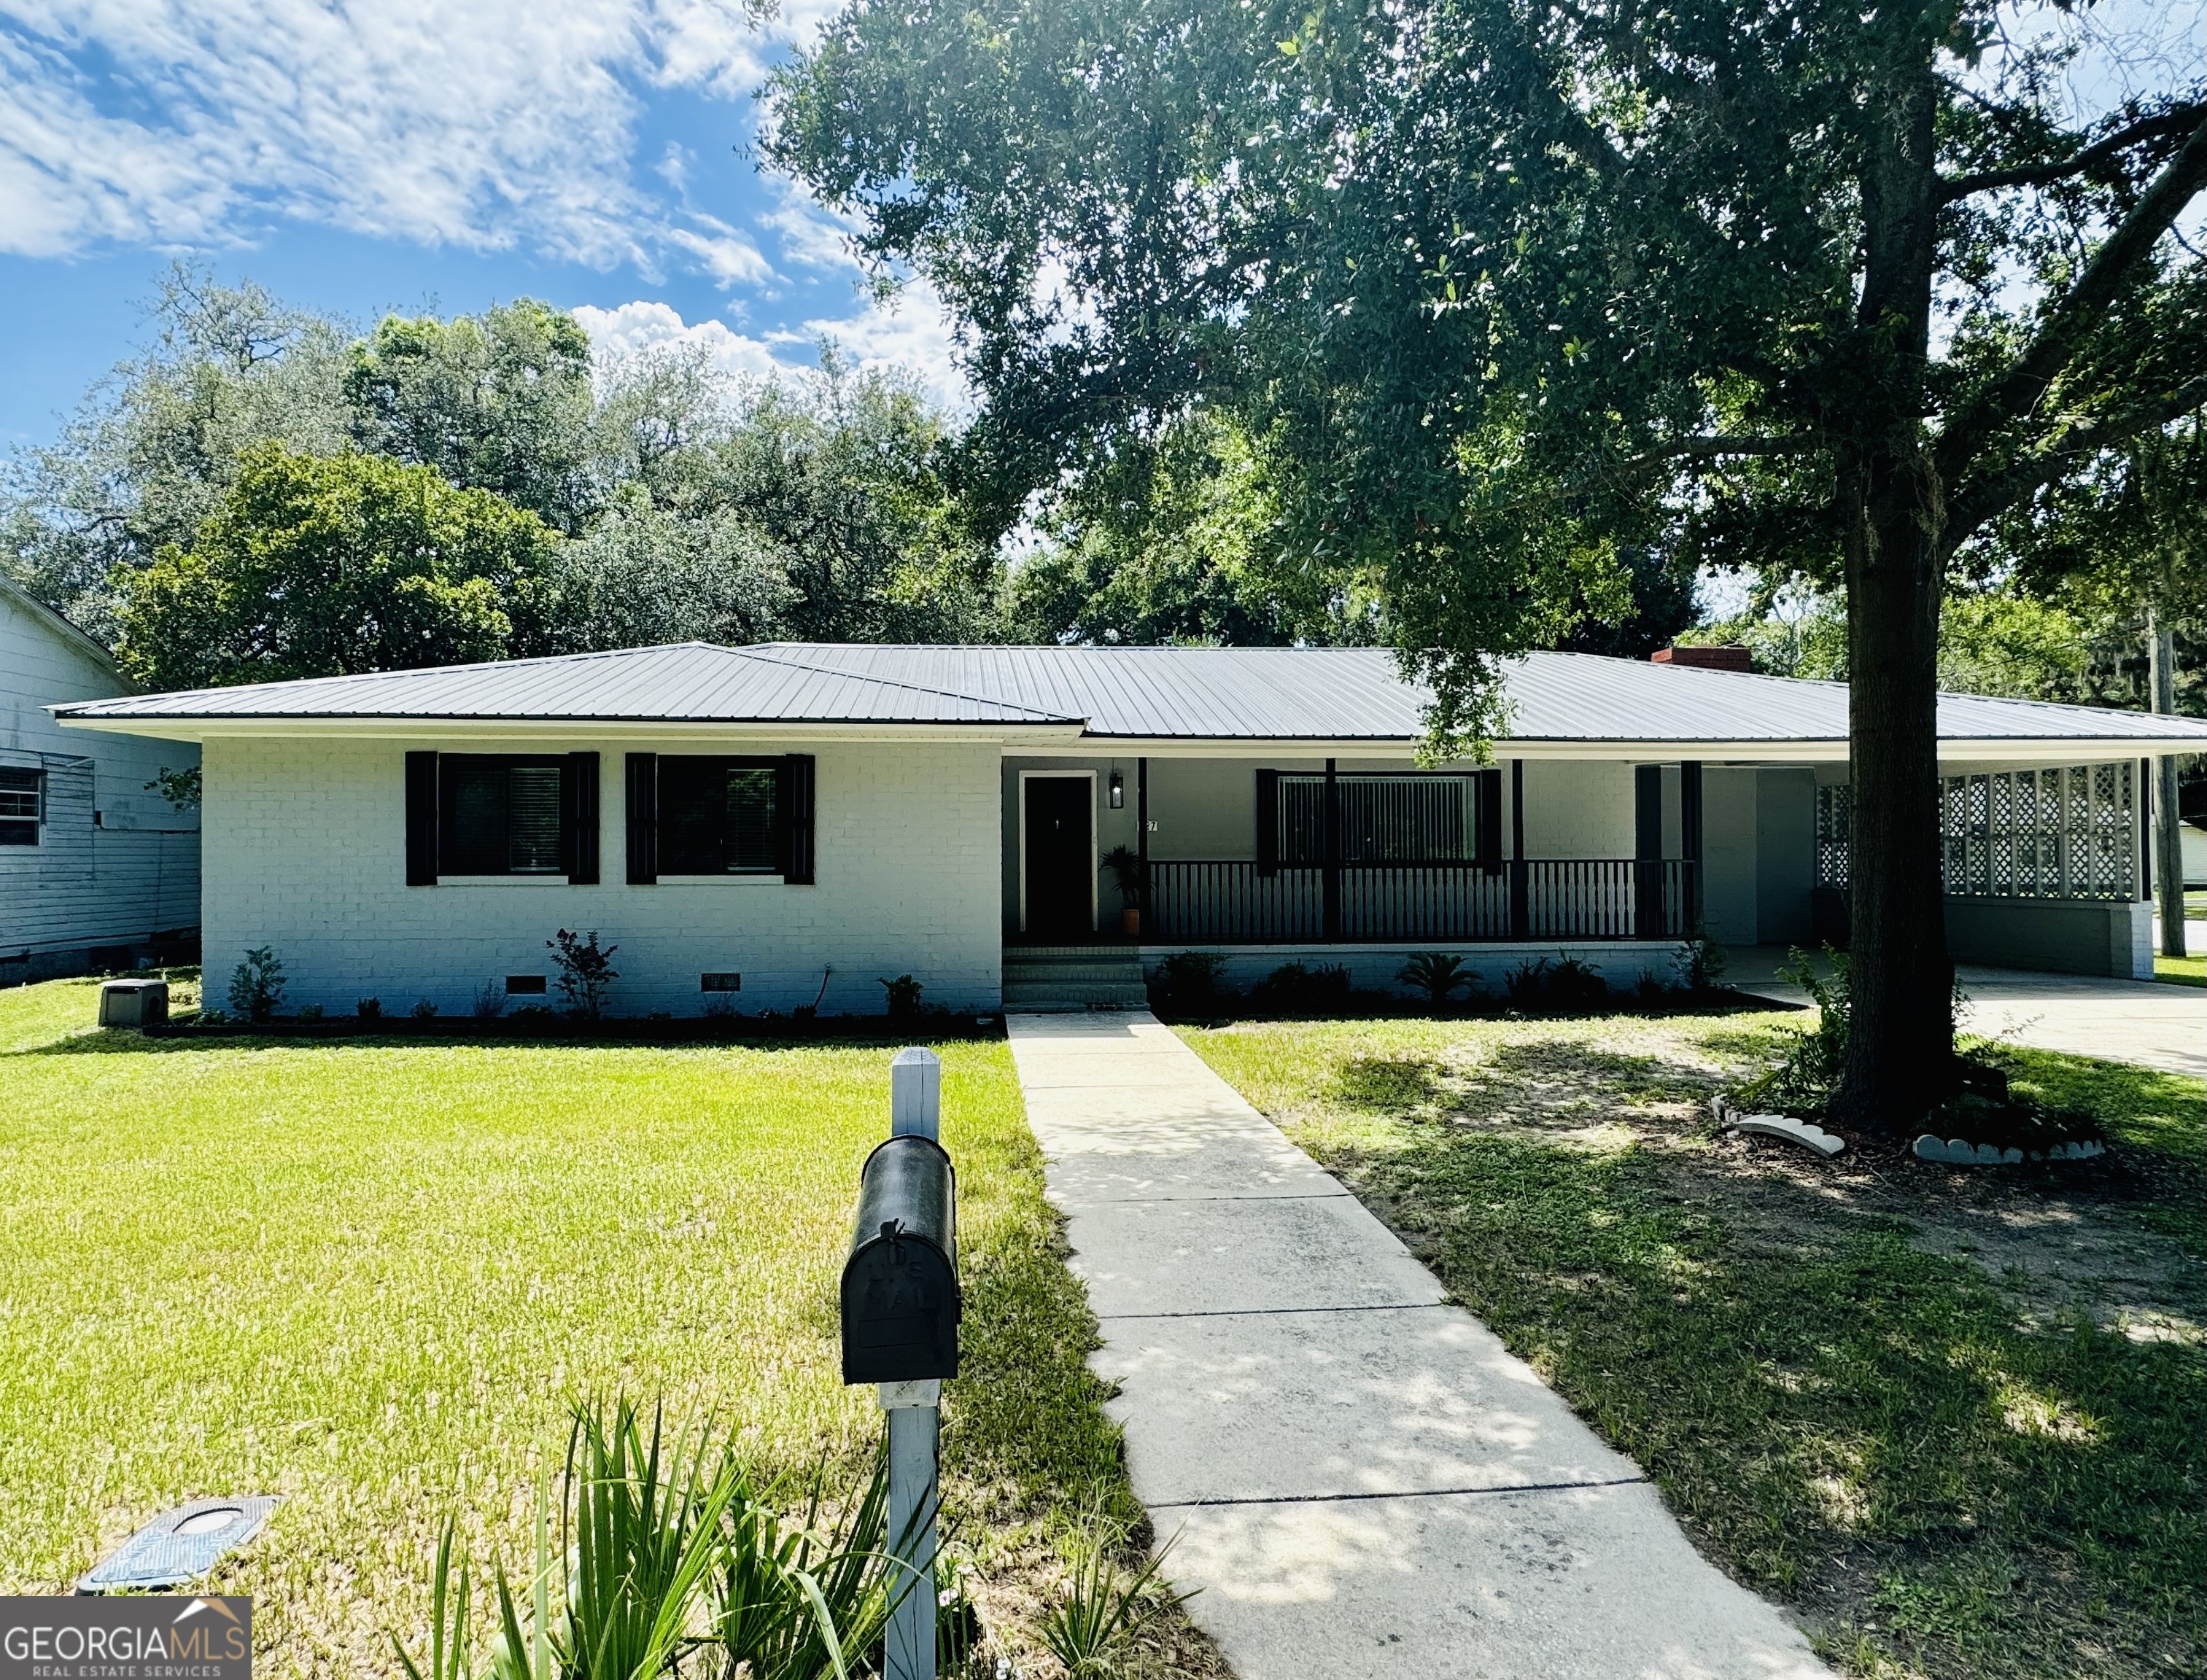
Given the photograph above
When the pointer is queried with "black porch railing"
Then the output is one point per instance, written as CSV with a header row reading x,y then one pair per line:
x,y
1229,902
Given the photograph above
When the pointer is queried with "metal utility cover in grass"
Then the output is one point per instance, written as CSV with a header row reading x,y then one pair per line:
x,y
180,1545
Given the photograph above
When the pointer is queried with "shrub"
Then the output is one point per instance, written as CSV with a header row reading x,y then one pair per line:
x,y
1802,1083
1527,985
310,1012
1566,984
719,1006
423,1011
1104,1606
1187,981
1575,985
1439,976
490,1001
903,997
586,971
1292,986
257,985
1701,969
368,1008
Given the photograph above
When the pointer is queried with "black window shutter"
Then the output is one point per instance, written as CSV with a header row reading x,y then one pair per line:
x,y
421,819
797,795
579,799
642,819
1490,821
1268,822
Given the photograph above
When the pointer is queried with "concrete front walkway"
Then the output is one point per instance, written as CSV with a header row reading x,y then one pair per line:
x,y
1363,1482
2150,1022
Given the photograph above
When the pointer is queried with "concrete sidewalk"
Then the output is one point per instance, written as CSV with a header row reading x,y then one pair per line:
x,y
2151,1022
1363,1481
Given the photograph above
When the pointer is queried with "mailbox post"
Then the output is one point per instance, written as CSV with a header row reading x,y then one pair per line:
x,y
900,1305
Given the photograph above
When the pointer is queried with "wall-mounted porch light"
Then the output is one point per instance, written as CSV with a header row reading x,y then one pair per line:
x,y
1117,793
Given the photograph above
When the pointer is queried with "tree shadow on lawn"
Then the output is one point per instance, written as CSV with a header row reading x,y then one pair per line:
x,y
1899,1397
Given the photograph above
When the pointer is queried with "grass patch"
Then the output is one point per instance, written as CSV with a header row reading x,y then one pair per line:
x,y
1953,1419
2190,970
369,1277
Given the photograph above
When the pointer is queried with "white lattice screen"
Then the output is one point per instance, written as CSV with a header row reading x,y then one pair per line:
x,y
2070,833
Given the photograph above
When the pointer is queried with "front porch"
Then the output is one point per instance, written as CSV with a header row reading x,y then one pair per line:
x,y
1188,853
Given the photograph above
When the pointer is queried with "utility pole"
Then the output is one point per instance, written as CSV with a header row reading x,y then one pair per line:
x,y
2168,834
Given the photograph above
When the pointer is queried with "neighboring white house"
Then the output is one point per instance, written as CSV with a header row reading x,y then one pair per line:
x,y
95,868
768,825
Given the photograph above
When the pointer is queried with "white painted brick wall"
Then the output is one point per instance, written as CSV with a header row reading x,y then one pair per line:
x,y
305,853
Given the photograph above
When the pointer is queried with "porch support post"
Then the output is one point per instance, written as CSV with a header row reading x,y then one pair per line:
x,y
1142,836
2168,856
1330,852
1647,851
1690,847
1521,874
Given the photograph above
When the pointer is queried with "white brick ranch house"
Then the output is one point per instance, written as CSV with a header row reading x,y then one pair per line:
x,y
743,820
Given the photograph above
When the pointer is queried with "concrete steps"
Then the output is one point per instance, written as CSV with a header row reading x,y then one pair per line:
x,y
1047,978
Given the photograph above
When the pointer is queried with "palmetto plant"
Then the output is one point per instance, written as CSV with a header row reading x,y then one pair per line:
x,y
1437,975
672,1559
1104,1606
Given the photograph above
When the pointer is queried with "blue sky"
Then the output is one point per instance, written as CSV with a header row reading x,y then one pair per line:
x,y
412,154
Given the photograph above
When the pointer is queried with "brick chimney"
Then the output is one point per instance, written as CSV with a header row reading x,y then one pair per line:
x,y
1728,658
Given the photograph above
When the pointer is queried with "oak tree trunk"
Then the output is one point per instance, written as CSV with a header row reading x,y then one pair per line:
x,y
1900,1051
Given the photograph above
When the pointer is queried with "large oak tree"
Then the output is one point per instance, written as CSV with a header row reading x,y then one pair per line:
x,y
1511,288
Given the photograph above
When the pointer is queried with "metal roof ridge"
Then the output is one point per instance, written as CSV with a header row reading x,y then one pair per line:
x,y
898,682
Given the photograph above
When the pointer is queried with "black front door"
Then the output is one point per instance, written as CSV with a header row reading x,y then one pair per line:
x,y
1061,901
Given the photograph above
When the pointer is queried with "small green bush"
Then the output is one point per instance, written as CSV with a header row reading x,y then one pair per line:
x,y
1188,983
256,988
903,1000
586,971
1293,987
1439,976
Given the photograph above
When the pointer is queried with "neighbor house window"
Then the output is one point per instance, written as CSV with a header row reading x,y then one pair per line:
x,y
500,816
720,816
22,806
1384,819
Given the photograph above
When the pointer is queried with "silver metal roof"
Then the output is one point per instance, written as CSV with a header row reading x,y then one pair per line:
x,y
1206,694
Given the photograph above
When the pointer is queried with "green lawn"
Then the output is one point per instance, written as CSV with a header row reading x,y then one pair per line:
x,y
370,1274
1956,1420
2185,971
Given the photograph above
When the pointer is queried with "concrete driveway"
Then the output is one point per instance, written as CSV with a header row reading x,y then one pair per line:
x,y
2149,1022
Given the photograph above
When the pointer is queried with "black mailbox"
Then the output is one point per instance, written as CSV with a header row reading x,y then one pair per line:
x,y
900,1298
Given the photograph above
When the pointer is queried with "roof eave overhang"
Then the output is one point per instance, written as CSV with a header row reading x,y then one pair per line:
x,y
205,729
1824,750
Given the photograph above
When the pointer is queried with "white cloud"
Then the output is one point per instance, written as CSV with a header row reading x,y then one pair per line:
x,y
910,332
810,236
486,124
912,338
634,328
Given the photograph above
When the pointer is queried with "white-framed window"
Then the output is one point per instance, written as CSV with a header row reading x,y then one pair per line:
x,y
22,805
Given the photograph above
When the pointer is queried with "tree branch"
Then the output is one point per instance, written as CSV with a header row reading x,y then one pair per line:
x,y
2182,120
2018,390
1717,449
1974,504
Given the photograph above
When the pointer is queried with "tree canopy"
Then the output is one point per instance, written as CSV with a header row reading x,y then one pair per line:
x,y
319,565
674,503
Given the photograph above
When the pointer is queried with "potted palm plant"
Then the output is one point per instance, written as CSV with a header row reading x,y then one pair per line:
x,y
1125,868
